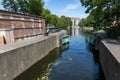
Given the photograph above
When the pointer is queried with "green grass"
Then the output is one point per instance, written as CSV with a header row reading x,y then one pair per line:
x,y
101,30
88,28
91,29
63,30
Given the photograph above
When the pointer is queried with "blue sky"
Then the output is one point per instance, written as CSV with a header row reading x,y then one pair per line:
x,y
70,8
1,5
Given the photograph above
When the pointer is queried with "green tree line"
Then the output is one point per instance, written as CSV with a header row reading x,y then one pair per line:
x,y
36,7
103,13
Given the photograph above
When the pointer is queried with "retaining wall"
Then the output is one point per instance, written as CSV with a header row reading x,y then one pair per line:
x,y
17,57
109,55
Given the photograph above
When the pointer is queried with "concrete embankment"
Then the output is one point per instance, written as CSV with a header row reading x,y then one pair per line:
x,y
17,57
109,55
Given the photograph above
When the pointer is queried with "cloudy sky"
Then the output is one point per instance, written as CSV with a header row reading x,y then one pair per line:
x,y
70,8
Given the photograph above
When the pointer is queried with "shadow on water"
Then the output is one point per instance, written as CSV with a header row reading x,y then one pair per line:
x,y
41,69
72,61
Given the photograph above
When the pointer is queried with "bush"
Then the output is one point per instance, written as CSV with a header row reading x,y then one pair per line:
x,y
113,32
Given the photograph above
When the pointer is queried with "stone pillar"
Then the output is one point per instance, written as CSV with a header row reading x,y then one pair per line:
x,y
43,26
7,36
1,40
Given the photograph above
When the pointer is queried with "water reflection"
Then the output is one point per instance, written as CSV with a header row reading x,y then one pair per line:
x,y
72,61
75,32
65,47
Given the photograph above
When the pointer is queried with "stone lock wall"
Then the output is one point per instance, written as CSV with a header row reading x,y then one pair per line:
x,y
20,25
109,56
17,57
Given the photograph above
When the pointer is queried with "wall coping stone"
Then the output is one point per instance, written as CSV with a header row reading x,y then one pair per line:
x,y
21,43
6,29
113,46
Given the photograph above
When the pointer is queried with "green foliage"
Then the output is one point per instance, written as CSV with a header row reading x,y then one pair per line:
x,y
64,21
35,7
46,14
24,6
54,20
10,5
113,32
83,22
104,12
88,28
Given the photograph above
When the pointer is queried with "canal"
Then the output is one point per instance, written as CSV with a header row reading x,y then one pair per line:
x,y
72,61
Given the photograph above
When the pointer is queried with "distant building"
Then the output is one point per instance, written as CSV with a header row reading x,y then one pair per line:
x,y
75,21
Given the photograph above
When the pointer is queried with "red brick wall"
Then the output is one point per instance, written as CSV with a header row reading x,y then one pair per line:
x,y
4,23
22,25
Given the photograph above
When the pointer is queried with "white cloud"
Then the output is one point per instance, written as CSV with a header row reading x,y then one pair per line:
x,y
72,6
46,3
69,7
45,0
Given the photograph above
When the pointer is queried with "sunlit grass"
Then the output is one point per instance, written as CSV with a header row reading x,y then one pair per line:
x,y
91,29
88,28
63,31
101,30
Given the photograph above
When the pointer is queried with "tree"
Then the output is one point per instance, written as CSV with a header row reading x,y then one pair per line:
x,y
10,5
65,21
46,14
83,22
54,19
35,7
24,6
104,11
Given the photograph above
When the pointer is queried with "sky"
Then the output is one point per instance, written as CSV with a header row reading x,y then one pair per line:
x,y
69,8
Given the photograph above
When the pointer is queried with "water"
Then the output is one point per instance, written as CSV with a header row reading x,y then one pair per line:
x,y
73,61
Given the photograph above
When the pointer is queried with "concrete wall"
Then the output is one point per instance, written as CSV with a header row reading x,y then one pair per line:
x,y
109,54
17,57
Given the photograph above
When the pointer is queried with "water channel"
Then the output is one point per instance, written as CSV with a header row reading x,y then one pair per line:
x,y
72,61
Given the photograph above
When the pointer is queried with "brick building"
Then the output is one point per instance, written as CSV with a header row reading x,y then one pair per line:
x,y
75,22
17,26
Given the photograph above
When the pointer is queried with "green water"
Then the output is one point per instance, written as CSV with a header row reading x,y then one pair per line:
x,y
72,61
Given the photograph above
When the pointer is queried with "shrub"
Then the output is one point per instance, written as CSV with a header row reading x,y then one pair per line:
x,y
113,32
